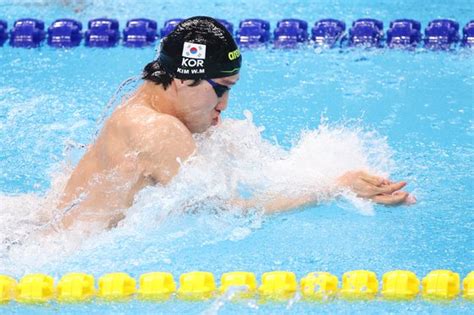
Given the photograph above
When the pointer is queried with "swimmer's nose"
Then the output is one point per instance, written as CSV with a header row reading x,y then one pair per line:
x,y
222,105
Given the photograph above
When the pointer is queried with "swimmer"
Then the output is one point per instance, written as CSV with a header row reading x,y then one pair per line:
x,y
149,136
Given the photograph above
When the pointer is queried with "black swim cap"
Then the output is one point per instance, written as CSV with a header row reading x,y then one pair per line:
x,y
200,48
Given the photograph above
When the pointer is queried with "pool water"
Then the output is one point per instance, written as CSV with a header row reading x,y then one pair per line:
x,y
296,120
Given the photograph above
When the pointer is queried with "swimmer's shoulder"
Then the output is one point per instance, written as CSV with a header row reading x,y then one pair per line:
x,y
161,141
145,126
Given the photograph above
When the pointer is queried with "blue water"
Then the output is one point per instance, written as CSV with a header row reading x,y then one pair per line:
x,y
411,111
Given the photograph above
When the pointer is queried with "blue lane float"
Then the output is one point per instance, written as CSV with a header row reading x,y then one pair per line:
x,y
3,32
327,32
169,26
140,32
102,32
441,34
253,32
65,33
27,33
468,34
228,25
290,32
404,33
366,32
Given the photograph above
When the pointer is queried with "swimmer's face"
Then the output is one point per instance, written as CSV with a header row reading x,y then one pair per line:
x,y
200,106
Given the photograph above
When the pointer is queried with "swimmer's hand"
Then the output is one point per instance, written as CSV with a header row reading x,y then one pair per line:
x,y
376,188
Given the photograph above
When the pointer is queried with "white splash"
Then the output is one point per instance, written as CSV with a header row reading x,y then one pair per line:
x,y
232,159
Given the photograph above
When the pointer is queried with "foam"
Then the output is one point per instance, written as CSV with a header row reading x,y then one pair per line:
x,y
232,160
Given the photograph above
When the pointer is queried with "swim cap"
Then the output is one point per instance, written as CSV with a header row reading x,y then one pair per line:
x,y
200,48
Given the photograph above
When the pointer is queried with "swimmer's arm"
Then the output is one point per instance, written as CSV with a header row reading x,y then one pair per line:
x,y
364,185
275,203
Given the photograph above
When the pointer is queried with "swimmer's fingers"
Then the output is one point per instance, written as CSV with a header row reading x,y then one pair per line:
x,y
367,190
375,180
396,198
391,188
366,185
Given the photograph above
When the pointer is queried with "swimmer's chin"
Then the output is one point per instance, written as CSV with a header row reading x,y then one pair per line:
x,y
216,121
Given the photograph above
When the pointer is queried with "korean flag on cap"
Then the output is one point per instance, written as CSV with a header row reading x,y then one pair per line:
x,y
196,51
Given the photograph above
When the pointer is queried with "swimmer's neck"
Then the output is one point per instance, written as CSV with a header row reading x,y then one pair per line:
x,y
154,96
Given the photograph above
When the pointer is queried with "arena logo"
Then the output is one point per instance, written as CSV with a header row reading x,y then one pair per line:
x,y
234,54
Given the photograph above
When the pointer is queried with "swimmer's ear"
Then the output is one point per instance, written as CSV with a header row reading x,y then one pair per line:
x,y
180,83
177,84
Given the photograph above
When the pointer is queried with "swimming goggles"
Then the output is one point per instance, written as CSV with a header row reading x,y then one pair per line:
x,y
218,88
